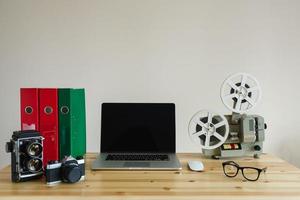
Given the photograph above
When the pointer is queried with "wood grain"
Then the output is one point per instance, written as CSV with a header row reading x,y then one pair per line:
x,y
282,180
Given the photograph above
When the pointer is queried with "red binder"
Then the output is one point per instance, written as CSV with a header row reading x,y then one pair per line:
x,y
48,102
29,100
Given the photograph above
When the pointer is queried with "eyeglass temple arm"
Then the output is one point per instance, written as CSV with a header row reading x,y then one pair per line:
x,y
264,169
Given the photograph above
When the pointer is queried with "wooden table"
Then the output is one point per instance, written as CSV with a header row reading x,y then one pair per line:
x,y
282,181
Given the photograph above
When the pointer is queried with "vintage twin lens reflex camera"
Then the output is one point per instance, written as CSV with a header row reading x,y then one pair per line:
x,y
70,170
26,148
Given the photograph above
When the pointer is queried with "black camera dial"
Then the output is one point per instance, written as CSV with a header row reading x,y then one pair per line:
x,y
9,147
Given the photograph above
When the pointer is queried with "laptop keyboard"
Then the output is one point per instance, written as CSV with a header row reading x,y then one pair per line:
x,y
133,157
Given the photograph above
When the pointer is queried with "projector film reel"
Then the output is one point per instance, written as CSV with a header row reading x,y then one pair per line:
x,y
208,129
240,92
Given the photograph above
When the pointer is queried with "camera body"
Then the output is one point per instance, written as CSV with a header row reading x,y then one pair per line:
x,y
245,138
70,170
26,148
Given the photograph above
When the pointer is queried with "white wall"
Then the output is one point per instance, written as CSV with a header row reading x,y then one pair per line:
x,y
154,51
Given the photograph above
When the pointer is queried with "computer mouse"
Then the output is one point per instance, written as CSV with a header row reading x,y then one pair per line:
x,y
196,165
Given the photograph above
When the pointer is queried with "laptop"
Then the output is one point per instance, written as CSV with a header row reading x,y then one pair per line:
x,y
137,136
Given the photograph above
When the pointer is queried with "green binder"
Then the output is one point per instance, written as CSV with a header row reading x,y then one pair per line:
x,y
72,124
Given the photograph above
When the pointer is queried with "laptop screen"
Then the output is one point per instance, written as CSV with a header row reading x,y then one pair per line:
x,y
138,127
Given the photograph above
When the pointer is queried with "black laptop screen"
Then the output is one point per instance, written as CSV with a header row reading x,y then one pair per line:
x,y
138,127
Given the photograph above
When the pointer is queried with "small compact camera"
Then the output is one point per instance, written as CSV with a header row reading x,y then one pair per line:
x,y
70,170
26,148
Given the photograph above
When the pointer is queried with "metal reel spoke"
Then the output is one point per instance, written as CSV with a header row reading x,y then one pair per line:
x,y
230,96
218,125
255,88
238,103
209,116
244,79
199,133
220,137
200,123
232,85
250,101
207,140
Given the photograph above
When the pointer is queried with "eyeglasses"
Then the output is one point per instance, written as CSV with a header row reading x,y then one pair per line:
x,y
231,169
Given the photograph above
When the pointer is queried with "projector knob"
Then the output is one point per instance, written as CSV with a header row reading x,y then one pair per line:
x,y
257,148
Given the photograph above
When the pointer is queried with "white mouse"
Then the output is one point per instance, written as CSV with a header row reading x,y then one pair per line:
x,y
196,165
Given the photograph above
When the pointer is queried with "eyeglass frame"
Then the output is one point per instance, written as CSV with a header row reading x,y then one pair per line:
x,y
232,163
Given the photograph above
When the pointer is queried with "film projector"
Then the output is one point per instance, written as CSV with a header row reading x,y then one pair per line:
x,y
232,135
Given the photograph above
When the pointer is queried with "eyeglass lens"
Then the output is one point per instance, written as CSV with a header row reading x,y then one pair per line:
x,y
231,170
250,173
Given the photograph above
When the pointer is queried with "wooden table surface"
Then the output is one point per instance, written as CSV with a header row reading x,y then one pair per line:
x,y
282,180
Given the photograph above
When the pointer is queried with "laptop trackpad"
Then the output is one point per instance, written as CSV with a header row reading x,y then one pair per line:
x,y
136,164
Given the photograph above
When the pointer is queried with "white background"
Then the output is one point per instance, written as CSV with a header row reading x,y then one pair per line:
x,y
154,51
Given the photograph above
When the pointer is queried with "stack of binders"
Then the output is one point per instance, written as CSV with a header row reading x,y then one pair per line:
x,y
59,115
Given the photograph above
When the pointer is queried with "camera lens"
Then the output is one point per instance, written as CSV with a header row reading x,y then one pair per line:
x,y
34,165
34,149
71,173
